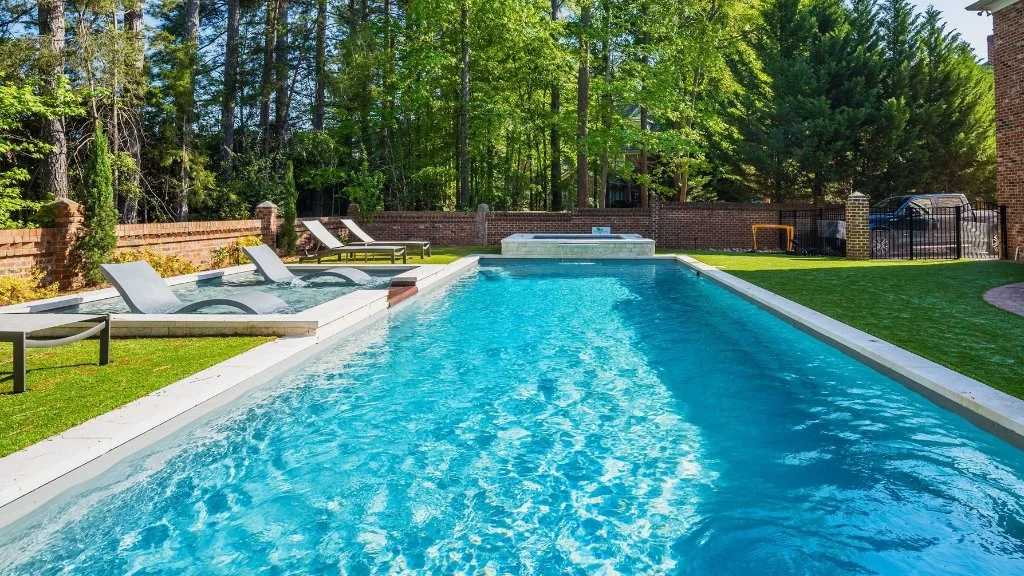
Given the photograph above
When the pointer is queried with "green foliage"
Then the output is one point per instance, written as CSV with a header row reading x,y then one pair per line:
x,y
286,234
364,189
19,105
232,255
165,265
16,289
96,245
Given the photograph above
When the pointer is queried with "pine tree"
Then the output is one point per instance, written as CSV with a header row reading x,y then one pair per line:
x,y
97,243
286,235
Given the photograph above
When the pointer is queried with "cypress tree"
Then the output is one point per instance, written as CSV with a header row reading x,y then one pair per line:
x,y
286,236
100,222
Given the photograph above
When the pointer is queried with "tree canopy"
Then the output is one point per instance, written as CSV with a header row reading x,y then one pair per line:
x,y
520,104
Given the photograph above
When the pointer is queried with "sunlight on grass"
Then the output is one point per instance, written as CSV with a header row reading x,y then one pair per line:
x,y
932,308
66,387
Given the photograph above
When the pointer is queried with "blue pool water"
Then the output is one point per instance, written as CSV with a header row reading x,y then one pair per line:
x,y
550,419
299,297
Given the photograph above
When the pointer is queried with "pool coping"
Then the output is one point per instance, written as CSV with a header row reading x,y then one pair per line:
x,y
34,475
992,410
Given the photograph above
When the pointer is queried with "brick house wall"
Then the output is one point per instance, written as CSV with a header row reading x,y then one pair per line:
x,y
1006,54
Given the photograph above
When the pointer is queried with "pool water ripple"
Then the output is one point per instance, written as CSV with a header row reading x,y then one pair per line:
x,y
541,419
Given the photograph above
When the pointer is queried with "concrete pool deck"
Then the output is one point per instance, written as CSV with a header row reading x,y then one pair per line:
x,y
38,473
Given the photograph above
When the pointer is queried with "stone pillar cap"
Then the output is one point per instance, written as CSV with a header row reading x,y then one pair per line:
x,y
856,196
266,204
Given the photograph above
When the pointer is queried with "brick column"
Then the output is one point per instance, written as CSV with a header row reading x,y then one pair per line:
x,y
267,213
654,217
1006,55
67,221
858,235
481,224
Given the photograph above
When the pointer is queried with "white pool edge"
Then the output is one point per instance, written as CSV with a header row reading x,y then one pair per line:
x,y
34,475
992,410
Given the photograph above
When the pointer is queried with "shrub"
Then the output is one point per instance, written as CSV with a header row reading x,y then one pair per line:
x,y
286,235
165,266
96,245
17,289
232,255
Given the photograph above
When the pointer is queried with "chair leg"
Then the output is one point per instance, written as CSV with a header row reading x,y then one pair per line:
x,y
105,342
19,364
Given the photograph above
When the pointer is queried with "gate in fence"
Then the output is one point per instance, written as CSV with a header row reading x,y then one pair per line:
x,y
923,231
817,230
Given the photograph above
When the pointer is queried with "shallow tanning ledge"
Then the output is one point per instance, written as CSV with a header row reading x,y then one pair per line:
x,y
577,246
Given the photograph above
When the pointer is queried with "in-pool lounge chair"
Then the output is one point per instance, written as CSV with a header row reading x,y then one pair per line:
x,y
273,269
367,240
16,328
331,246
145,292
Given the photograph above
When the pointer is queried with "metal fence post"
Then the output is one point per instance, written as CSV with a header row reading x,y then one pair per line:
x,y
958,234
1002,233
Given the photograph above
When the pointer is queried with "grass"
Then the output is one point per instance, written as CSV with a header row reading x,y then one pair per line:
x,y
934,309
66,387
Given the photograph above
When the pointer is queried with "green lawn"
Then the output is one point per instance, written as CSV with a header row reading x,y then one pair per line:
x,y
66,387
446,254
934,309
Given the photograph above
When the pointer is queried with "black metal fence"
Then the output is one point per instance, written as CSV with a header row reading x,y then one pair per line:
x,y
939,233
817,231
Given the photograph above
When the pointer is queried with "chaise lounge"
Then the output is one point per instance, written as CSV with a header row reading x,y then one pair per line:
x,y
331,246
145,292
273,269
367,240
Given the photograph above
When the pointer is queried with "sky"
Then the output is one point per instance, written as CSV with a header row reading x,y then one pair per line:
x,y
973,28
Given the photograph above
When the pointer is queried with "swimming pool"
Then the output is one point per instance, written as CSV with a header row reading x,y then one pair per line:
x,y
299,297
542,418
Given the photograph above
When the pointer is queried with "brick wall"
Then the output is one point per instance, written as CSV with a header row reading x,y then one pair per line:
x,y
672,225
1006,53
193,241
22,250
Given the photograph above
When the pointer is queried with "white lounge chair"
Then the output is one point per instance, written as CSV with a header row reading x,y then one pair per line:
x,y
145,292
273,269
367,240
331,246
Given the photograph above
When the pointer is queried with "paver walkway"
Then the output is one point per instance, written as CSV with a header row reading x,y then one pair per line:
x,y
1009,297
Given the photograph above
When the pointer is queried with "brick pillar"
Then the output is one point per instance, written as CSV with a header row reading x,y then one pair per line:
x,y
481,224
267,213
858,235
1006,54
67,221
654,217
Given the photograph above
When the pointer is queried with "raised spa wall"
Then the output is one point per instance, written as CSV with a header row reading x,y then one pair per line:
x,y
577,246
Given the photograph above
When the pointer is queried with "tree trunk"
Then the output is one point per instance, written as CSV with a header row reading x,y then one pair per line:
x,y
281,76
645,200
556,148
192,41
230,97
267,76
606,108
133,19
582,110
320,65
464,112
52,29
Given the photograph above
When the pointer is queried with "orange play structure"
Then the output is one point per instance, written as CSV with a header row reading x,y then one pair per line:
x,y
790,233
